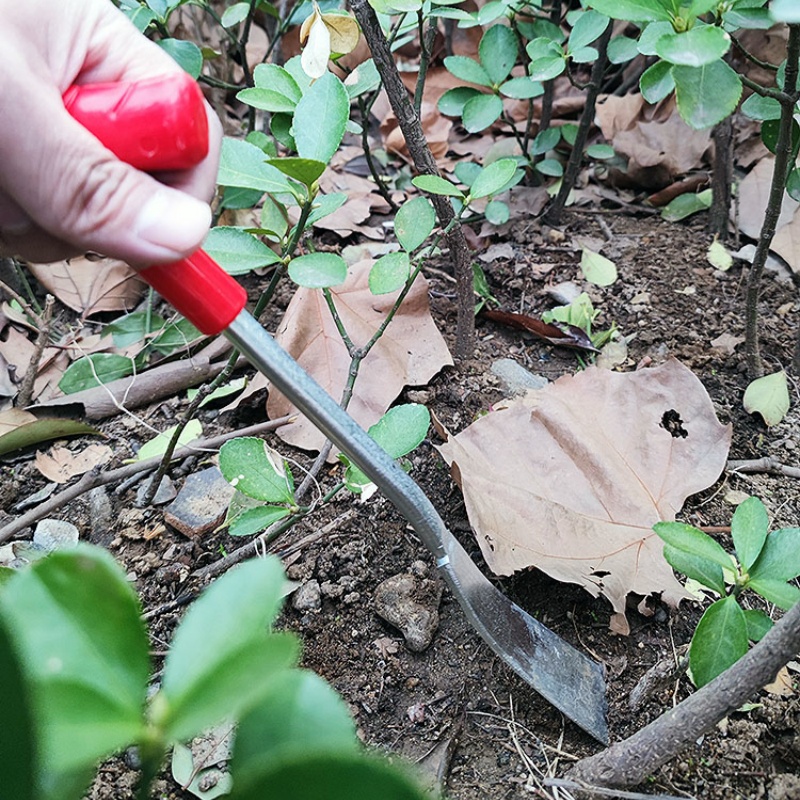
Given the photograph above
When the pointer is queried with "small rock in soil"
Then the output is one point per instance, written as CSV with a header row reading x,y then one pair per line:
x,y
411,605
101,516
515,378
55,534
307,597
201,504
165,493
785,786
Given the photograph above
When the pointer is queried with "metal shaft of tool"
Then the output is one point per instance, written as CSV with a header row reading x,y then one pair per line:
x,y
567,678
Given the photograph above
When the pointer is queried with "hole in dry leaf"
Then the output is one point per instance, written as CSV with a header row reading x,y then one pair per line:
x,y
601,573
672,423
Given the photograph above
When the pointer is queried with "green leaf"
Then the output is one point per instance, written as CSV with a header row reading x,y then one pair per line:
x,y
320,118
770,131
600,152
793,184
452,102
498,52
692,541
277,79
176,335
305,170
551,167
318,270
547,68
235,14
226,390
414,223
329,776
719,641
237,251
545,141
597,269
256,470
257,519
243,164
783,594
718,256
221,654
587,28
325,204
480,111
632,10
497,212
769,397
761,108
696,567
749,529
685,205
700,7
584,55
266,100
696,47
17,736
467,69
398,432
758,624
467,172
522,88
76,621
435,184
141,17
389,273
365,78
133,328
785,11
493,178
157,446
657,82
298,714
43,430
95,370
707,94
187,54
622,49
780,557
235,198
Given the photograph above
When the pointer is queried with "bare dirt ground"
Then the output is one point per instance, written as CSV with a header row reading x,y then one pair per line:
x,y
455,707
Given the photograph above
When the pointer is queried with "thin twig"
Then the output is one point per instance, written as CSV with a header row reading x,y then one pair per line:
x,y
767,465
25,394
602,792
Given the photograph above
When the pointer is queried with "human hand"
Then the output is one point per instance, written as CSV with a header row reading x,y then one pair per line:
x,y
61,191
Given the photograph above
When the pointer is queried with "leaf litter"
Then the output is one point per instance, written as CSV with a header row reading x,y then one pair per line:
x,y
571,478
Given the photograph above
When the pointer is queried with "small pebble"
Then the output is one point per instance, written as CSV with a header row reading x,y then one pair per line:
x,y
411,605
307,597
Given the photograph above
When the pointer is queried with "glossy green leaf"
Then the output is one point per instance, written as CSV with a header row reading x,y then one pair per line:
x,y
597,269
685,205
750,18
600,152
622,49
237,251
17,735
584,55
758,624
693,541
305,170
235,14
133,328
235,198
157,446
175,336
320,118
780,557
785,11
435,184
545,141
467,69
318,270
244,165
588,27
498,52
330,776
700,7
793,184
76,621
491,11
141,17
187,54
547,68
277,79
551,167
299,714
481,111
325,204
364,78
389,273
707,94
467,172
656,82
761,108
497,212
95,370
749,529
256,470
257,519
651,34
783,594
266,100
222,655
226,390
414,223
493,178
43,430
770,131
522,88
632,10
452,102
696,567
769,397
719,640
696,47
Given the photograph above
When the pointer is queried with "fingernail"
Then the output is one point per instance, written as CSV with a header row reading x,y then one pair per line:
x,y
174,221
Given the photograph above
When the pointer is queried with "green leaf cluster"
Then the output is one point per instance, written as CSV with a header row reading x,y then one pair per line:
x,y
763,561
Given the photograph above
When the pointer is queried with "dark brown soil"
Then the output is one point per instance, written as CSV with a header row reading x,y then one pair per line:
x,y
505,738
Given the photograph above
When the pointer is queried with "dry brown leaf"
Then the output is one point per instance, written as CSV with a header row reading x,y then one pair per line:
x,y
435,125
13,418
571,478
60,463
90,287
783,685
410,352
362,200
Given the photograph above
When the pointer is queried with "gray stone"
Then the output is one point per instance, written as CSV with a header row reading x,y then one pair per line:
x,y
55,534
410,604
165,493
515,378
201,504
307,597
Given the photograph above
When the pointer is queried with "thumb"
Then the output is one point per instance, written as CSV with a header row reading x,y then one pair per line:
x,y
78,192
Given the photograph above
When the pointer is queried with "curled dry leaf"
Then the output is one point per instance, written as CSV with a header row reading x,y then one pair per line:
x,y
60,463
571,478
410,352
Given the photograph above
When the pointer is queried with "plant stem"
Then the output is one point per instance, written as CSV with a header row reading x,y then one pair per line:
x,y
783,151
426,40
425,163
722,179
553,214
632,760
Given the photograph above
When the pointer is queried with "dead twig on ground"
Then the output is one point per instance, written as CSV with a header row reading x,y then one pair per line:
x,y
767,465
96,478
25,394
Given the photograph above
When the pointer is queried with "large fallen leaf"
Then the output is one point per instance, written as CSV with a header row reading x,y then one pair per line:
x,y
20,429
90,287
409,353
60,464
571,478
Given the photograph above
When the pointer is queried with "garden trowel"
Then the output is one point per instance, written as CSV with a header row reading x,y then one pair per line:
x,y
160,124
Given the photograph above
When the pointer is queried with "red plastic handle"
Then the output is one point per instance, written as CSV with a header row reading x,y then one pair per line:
x,y
155,125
